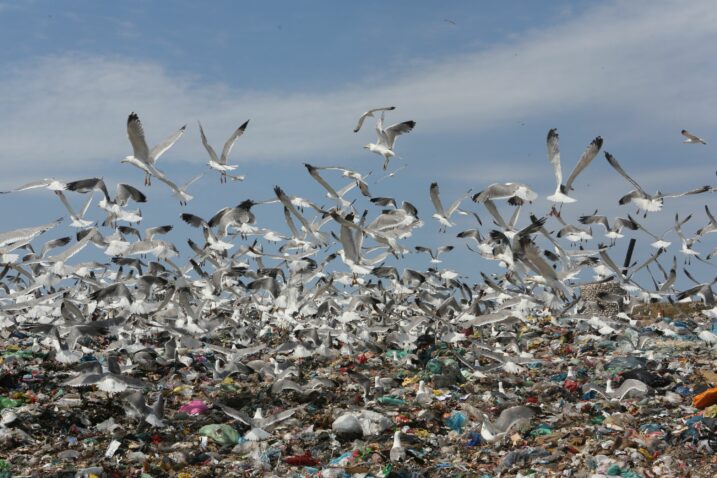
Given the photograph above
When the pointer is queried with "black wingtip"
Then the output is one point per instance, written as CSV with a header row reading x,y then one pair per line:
x,y
244,125
598,142
132,117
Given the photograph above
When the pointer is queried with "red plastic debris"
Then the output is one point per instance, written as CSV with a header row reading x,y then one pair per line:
x,y
571,386
301,460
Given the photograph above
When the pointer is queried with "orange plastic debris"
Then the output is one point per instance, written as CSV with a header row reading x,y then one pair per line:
x,y
705,399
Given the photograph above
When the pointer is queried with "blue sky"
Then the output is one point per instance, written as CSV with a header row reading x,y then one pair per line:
x,y
484,90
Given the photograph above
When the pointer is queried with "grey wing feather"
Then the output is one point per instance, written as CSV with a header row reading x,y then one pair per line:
x,y
162,147
136,138
588,155
436,200
613,162
393,131
554,155
230,142
207,146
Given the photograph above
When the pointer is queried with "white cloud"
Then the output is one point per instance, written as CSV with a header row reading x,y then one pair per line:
x,y
623,61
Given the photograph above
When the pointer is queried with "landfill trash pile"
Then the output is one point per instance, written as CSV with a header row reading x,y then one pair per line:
x,y
315,352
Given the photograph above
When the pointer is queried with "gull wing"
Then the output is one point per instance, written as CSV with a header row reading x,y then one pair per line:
x,y
554,155
394,131
230,142
207,146
370,113
436,199
136,138
315,174
588,155
613,162
168,142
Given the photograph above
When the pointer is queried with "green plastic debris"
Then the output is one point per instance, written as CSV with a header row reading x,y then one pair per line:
x,y
434,366
398,353
221,433
6,402
541,430
614,470
388,400
24,354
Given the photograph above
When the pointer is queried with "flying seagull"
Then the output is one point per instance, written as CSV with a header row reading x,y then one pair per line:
x,y
643,200
57,187
370,113
442,215
387,139
691,138
220,163
562,191
142,157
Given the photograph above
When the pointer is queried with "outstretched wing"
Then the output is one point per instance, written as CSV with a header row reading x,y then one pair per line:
x,y
554,155
613,162
588,155
370,113
136,138
394,131
162,147
207,146
230,142
436,199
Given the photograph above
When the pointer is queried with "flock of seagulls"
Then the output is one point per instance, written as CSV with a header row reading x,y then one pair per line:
x,y
330,283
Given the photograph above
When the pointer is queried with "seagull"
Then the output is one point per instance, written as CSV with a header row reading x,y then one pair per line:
x,y
629,385
397,453
26,233
434,255
691,138
142,157
135,406
617,225
562,191
387,139
370,113
114,207
515,193
220,163
647,202
180,192
508,418
686,243
57,187
710,227
443,215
